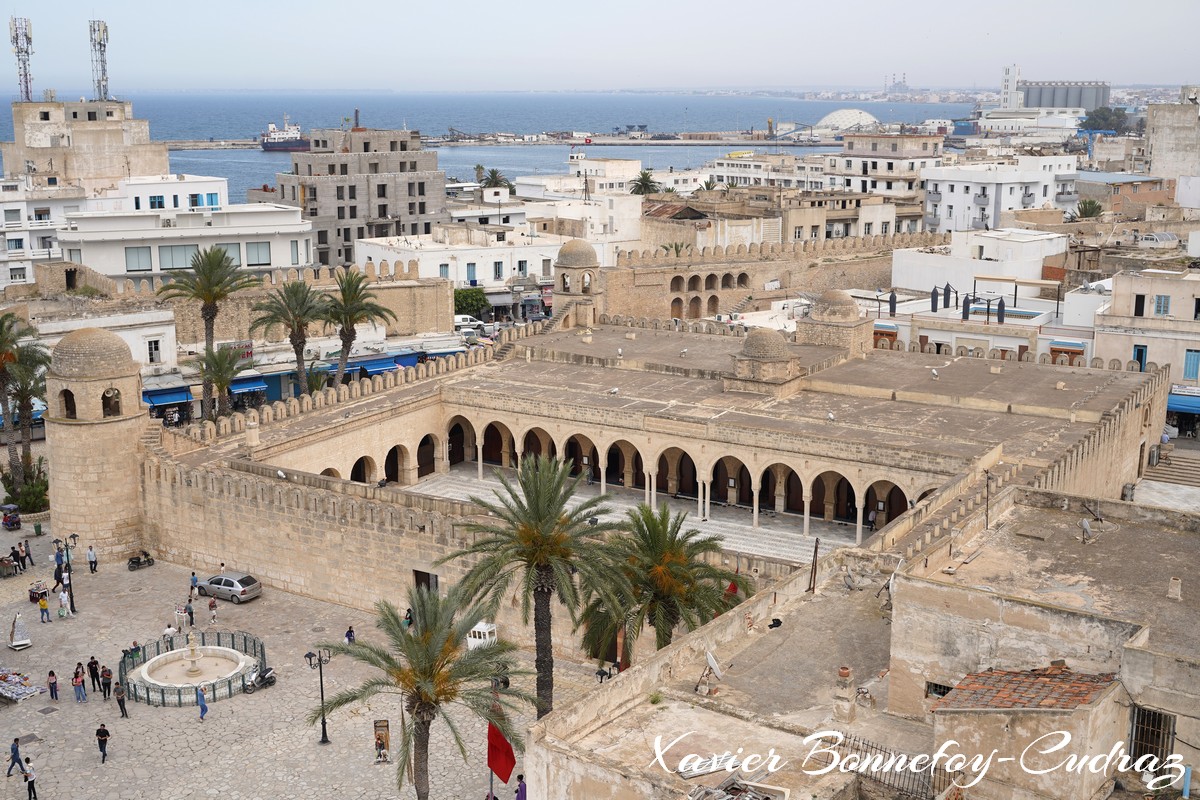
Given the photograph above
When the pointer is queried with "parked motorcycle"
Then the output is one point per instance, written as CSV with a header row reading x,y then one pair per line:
x,y
144,560
258,679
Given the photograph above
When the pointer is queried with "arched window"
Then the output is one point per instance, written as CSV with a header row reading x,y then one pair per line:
x,y
110,402
66,400
587,283
566,284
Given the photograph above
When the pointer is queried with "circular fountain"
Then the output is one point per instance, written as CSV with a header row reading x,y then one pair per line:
x,y
193,666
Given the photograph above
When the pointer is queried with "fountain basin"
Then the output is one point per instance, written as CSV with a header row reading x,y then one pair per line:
x,y
171,670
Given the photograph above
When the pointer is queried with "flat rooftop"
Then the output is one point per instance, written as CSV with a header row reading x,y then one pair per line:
x,y
1037,554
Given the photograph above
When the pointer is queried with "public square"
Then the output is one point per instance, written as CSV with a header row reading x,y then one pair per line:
x,y
250,747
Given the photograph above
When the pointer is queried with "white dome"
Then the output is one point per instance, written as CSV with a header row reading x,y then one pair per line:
x,y
845,118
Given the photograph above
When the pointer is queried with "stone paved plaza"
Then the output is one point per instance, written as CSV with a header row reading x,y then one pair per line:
x,y
254,747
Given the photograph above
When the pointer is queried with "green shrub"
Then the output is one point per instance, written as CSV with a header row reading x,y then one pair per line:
x,y
34,496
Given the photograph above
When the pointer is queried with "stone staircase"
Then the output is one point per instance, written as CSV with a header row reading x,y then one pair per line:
x,y
743,305
505,350
1182,467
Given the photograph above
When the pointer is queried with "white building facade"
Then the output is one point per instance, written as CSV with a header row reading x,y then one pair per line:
x,y
747,168
972,196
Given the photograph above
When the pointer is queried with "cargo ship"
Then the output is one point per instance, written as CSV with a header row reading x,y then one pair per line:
x,y
287,139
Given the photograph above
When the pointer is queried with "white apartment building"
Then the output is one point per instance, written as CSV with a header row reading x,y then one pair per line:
x,y
972,196
887,164
260,237
747,168
164,193
1007,253
150,334
32,215
603,176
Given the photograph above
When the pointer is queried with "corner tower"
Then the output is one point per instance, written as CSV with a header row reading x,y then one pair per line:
x,y
94,418
577,279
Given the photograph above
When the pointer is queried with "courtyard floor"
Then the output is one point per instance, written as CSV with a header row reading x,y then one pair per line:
x,y
251,747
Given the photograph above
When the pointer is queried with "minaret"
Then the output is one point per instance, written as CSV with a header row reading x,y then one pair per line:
x,y
94,419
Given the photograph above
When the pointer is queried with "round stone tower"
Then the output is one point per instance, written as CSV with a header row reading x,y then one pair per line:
x,y
577,281
94,418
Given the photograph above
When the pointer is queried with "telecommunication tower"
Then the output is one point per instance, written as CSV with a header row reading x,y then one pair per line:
x,y
21,34
98,31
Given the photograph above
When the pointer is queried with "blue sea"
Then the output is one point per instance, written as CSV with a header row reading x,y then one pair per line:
x,y
243,116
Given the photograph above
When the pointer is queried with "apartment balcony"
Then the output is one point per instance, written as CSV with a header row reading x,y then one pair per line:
x,y
1027,200
1067,197
932,196
982,200
980,224
932,221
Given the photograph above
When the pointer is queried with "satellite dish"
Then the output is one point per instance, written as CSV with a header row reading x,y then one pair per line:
x,y
712,664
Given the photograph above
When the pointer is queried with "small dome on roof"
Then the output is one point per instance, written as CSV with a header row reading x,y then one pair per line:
x,y
846,118
835,305
577,253
766,344
92,353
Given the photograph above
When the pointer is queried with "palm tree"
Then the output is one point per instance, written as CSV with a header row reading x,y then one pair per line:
x,y
495,180
541,543
218,369
12,330
352,304
213,277
479,170
1087,209
668,582
676,247
431,668
27,385
314,379
644,183
709,185
293,306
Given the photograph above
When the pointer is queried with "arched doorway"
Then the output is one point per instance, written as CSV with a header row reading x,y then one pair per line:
x,y
887,500
833,498
426,455
460,441
781,489
925,494
710,283
393,465
582,454
497,444
694,283
676,474
363,470
731,482
537,442
623,465
330,472
677,308
677,283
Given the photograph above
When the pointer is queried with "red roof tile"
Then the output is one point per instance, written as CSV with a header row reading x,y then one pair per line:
x,y
1054,687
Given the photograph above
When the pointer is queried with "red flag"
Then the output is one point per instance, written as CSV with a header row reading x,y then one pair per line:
x,y
501,759
587,141
733,587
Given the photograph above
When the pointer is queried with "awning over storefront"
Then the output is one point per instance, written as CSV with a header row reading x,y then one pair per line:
x,y
500,300
166,397
242,385
885,326
375,365
1186,403
1061,344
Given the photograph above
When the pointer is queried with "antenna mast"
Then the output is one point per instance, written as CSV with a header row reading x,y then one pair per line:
x,y
21,34
98,31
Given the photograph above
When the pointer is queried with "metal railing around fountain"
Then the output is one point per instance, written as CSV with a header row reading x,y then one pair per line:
x,y
140,692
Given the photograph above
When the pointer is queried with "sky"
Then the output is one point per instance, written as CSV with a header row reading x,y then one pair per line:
x,y
521,45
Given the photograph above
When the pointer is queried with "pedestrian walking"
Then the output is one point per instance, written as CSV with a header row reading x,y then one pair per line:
x,y
119,696
201,698
521,787
28,552
52,685
30,777
66,580
408,619
192,588
91,559
871,519
102,737
80,688
44,607
350,635
64,604
106,681
212,608
18,564
24,556
93,667
58,573
191,613
14,756
58,556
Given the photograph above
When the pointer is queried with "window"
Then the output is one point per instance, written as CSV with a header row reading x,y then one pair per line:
x,y
382,210
867,227
352,192
16,275
849,146
471,271
153,352
341,214
893,148
157,201
373,168
522,268
1151,733
322,237
1191,365
951,189
295,251
443,270
137,204
425,580
12,215
421,209
885,228
937,689
381,190
1162,305
174,201
874,146
814,232
421,188
258,254
498,271
195,200
546,267
353,212
137,259
176,256
233,250
341,192
798,232
214,200
16,244
75,254
52,181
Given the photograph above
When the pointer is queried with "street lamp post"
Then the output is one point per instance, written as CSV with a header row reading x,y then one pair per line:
x,y
317,661
74,537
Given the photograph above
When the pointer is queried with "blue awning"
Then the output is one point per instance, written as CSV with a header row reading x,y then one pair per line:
x,y
166,397
885,326
1061,344
1188,404
242,385
375,365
